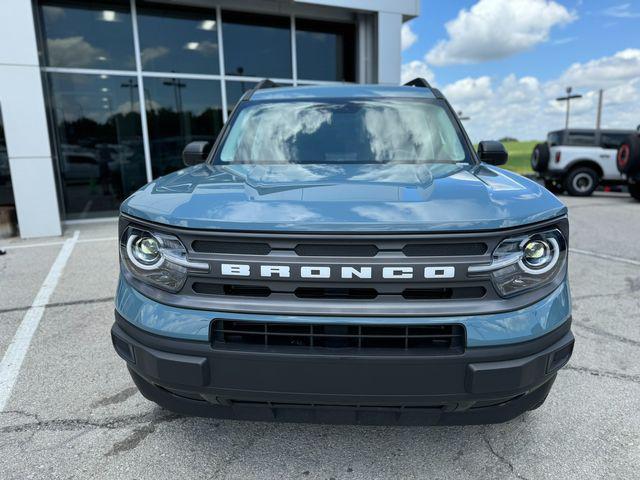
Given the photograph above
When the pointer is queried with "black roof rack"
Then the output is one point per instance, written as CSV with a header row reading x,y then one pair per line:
x,y
261,85
418,82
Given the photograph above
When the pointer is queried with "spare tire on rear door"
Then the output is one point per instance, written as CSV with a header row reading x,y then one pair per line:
x,y
628,159
540,157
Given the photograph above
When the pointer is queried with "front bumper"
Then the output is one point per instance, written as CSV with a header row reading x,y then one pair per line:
x,y
481,385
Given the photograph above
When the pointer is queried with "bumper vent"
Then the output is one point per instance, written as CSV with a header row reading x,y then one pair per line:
x,y
392,339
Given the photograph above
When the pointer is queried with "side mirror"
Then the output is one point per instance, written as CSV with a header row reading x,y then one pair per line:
x,y
492,152
195,153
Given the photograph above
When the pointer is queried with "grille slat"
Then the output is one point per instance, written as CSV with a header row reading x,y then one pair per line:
x,y
425,294
325,250
427,339
444,249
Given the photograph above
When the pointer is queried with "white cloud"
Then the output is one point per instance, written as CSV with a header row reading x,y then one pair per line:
x,y
493,29
73,52
525,108
415,69
469,90
408,36
621,11
603,72
150,54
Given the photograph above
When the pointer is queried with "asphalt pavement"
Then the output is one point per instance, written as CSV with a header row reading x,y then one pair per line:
x,y
73,411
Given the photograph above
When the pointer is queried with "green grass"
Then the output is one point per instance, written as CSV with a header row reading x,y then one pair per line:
x,y
519,156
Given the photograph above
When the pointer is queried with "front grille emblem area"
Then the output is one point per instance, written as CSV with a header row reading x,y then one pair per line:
x,y
333,272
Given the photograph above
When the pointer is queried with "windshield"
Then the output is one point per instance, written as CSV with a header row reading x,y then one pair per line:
x,y
362,131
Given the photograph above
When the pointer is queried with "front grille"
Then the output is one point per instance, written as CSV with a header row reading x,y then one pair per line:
x,y
391,274
426,339
341,293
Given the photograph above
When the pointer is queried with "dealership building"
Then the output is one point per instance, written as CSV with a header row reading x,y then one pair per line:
x,y
98,98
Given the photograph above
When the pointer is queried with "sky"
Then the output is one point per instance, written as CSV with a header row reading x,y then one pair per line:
x,y
504,62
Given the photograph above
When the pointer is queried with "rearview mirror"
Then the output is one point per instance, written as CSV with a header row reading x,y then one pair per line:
x,y
492,152
195,153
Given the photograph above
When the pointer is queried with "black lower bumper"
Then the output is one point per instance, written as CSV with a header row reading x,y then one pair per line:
x,y
482,385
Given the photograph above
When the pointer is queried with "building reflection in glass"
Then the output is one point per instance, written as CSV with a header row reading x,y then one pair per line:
x,y
180,111
6,190
98,141
88,34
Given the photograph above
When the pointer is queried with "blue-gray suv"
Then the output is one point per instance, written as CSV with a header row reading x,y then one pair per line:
x,y
343,254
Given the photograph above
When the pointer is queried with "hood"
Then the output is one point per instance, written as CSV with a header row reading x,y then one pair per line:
x,y
343,198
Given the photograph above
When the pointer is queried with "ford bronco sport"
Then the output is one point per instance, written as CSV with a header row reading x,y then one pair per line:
x,y
341,254
578,160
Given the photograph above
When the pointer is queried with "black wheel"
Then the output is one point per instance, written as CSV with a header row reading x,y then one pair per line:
x,y
581,181
540,157
634,190
553,187
628,158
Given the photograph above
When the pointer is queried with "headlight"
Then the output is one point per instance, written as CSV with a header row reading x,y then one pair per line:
x,y
156,258
526,262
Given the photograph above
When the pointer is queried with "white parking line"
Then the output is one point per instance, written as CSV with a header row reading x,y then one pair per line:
x,y
605,256
48,244
17,350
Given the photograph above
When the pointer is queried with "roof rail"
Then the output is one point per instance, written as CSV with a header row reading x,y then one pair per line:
x,y
418,82
261,85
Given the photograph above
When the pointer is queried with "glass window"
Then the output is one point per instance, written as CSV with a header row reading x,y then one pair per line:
x,y
98,141
325,51
555,138
180,111
181,40
358,131
612,140
235,90
581,138
256,45
88,34
6,190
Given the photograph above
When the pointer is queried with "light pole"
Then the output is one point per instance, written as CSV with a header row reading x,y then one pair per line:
x,y
568,99
177,93
461,117
130,84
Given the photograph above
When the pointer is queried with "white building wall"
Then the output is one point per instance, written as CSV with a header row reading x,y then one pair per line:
x,y
389,47
25,123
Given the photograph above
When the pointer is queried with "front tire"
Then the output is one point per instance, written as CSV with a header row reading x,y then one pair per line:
x,y
634,190
581,181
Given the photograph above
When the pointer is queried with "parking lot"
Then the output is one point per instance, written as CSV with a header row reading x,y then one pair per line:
x,y
73,411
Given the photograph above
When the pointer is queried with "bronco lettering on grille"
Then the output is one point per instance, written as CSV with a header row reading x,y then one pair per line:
x,y
345,272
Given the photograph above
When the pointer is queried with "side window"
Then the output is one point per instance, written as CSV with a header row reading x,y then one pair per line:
x,y
612,140
554,139
580,139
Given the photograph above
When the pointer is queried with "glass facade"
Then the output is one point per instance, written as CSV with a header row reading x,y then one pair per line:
x,y
257,45
180,111
183,40
187,66
99,140
88,34
325,51
6,191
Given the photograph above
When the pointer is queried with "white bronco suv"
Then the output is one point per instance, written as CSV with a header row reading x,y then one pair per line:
x,y
578,160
